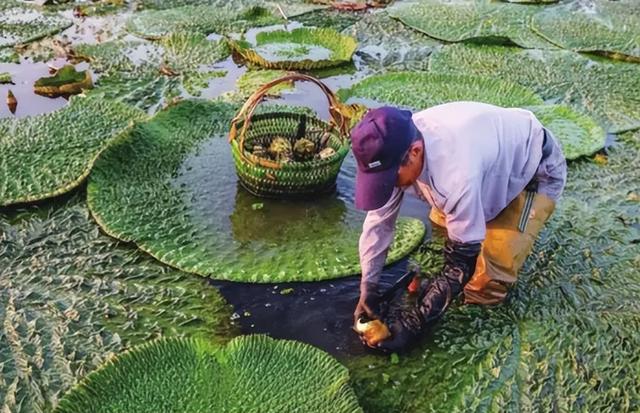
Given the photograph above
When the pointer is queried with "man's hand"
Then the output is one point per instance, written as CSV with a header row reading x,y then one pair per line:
x,y
369,303
402,338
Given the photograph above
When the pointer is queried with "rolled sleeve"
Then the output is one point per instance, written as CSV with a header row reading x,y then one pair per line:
x,y
465,215
377,234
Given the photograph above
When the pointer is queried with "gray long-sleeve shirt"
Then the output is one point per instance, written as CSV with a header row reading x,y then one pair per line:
x,y
477,159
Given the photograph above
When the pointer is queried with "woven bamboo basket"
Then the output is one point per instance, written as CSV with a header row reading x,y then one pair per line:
x,y
268,178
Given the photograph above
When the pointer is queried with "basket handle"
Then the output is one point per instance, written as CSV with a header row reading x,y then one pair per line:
x,y
339,118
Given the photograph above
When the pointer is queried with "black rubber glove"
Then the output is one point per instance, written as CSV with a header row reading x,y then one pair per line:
x,y
369,303
438,292
459,265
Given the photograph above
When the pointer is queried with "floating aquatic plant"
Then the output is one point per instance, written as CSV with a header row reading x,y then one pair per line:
x,y
5,77
302,48
47,155
420,90
455,21
19,24
604,89
145,74
71,298
578,134
384,42
250,373
251,80
204,19
605,27
65,82
178,194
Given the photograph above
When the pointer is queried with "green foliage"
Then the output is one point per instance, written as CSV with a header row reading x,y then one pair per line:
x,y
252,80
47,155
19,24
67,74
578,134
9,56
602,26
565,339
291,8
384,42
131,70
298,49
204,19
67,81
251,373
532,1
5,77
471,20
603,89
328,18
71,298
176,198
420,90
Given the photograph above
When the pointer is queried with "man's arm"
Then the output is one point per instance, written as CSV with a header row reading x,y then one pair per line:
x,y
377,234
466,229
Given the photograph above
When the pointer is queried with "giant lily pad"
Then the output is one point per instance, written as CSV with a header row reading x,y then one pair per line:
x,y
171,188
419,90
455,21
205,19
565,339
604,89
606,27
71,298
252,373
301,48
578,134
47,155
19,24
145,74
384,42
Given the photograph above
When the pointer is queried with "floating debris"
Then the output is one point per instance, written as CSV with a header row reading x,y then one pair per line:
x,y
66,81
12,102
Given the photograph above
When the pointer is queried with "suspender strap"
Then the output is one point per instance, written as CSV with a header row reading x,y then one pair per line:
x,y
526,211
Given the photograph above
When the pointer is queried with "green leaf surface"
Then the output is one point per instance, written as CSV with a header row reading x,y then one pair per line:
x,y
171,188
603,89
601,26
47,155
251,373
482,20
19,24
71,298
384,42
131,70
204,19
303,48
578,134
566,337
420,90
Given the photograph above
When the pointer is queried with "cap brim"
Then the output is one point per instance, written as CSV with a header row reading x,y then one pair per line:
x,y
374,189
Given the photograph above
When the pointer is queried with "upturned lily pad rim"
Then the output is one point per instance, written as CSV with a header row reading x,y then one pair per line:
x,y
342,48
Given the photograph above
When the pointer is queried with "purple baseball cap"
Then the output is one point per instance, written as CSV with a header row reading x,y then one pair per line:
x,y
379,142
